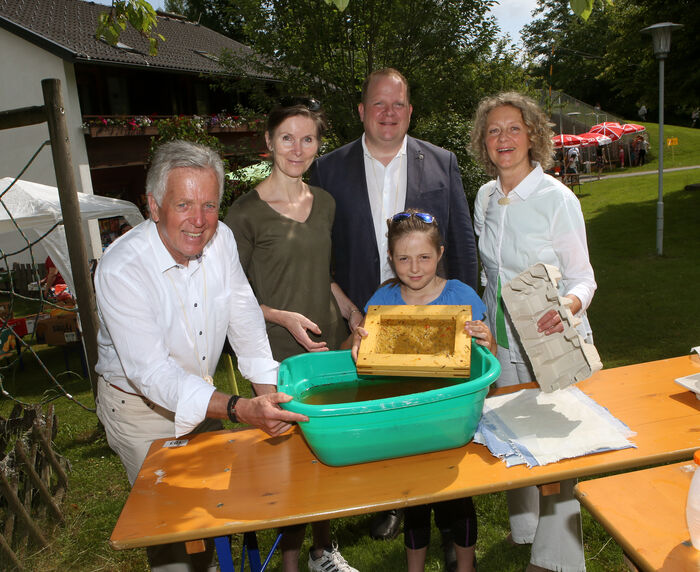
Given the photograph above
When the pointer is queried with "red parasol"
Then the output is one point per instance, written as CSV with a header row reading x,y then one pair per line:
x,y
632,128
599,138
589,139
608,128
566,140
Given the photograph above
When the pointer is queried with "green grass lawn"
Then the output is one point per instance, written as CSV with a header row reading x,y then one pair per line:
x,y
646,308
681,155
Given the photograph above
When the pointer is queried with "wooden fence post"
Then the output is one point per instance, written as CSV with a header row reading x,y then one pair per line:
x,y
45,442
18,508
29,471
7,549
37,482
72,220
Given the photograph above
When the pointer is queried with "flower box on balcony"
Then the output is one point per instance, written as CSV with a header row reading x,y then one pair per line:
x,y
120,131
239,129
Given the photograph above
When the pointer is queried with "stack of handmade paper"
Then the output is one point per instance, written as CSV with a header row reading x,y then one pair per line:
x,y
537,428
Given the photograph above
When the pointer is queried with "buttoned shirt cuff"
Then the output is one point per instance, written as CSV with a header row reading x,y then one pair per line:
x,y
192,409
259,370
584,294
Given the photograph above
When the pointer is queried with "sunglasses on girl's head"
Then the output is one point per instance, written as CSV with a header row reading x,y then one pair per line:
x,y
425,217
311,103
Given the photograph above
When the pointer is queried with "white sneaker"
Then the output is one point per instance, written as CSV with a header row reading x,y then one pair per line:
x,y
330,562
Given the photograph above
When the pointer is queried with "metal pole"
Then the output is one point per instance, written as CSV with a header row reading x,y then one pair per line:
x,y
660,203
72,220
561,129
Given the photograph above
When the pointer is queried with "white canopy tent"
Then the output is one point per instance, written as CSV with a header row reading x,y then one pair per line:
x,y
36,208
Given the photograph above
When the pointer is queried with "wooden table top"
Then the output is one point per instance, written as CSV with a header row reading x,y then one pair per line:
x,y
644,511
235,481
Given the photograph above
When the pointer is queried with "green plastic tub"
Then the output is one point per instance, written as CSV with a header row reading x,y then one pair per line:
x,y
362,431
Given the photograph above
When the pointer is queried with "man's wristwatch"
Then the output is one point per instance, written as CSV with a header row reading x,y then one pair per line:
x,y
231,408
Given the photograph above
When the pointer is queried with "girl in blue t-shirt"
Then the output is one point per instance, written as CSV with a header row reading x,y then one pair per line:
x,y
415,249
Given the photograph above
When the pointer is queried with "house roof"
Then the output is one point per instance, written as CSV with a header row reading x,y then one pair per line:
x,y
66,28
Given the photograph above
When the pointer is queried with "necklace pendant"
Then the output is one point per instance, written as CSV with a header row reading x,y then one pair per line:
x,y
504,201
209,379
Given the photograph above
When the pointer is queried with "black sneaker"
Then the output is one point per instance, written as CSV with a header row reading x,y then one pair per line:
x,y
386,525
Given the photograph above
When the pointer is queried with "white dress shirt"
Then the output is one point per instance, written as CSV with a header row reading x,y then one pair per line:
x,y
542,222
163,325
386,187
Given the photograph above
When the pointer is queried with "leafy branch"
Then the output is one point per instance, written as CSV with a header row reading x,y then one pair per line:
x,y
584,8
137,13
339,4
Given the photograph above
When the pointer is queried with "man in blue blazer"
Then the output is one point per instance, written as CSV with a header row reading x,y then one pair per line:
x,y
385,172
373,178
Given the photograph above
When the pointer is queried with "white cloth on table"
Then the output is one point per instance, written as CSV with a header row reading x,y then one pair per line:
x,y
162,326
536,428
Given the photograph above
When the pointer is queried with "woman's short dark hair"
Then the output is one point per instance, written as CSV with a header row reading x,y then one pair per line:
x,y
538,129
298,106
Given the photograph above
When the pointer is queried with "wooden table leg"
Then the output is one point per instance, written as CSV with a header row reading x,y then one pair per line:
x,y
195,546
550,489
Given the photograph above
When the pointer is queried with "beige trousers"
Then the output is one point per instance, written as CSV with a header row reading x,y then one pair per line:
x,y
132,423
551,523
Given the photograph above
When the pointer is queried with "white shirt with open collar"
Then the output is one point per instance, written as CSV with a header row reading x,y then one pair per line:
x,y
541,222
386,188
162,325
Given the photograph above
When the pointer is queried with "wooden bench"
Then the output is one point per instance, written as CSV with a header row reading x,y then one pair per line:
x,y
644,511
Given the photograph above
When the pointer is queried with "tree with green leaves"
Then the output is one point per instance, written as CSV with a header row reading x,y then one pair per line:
x,y
448,50
632,68
219,15
608,60
567,53
312,47
140,15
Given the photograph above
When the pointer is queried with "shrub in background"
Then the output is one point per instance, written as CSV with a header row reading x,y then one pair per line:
x,y
452,131
196,129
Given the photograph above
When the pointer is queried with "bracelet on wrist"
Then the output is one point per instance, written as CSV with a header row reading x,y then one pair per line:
x,y
231,408
353,311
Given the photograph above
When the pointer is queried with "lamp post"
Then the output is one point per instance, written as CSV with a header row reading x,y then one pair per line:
x,y
560,106
661,39
595,114
570,114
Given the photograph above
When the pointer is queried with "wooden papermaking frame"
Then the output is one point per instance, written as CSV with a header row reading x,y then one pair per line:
x,y
369,362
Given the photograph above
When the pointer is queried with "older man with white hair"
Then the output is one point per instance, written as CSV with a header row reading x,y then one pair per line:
x,y
169,292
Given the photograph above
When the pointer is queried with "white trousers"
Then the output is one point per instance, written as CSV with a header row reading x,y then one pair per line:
x,y
132,423
551,523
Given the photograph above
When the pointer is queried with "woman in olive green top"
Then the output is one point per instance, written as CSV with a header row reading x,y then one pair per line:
x,y
283,233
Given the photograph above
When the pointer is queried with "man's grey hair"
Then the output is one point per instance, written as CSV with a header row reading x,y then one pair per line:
x,y
176,154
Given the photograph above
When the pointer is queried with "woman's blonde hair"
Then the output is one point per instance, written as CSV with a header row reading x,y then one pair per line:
x,y
539,130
